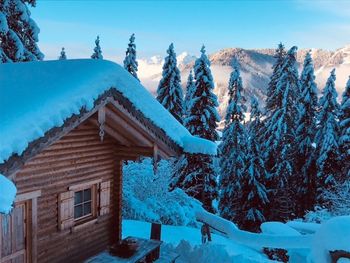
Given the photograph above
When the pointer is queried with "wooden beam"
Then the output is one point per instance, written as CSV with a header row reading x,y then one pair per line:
x,y
101,121
155,158
134,132
167,151
28,196
145,151
117,136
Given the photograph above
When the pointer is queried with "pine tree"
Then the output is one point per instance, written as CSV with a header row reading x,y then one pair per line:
x,y
204,116
280,135
255,199
130,63
199,172
344,140
190,87
273,95
233,151
62,55
97,50
327,136
305,136
18,32
169,92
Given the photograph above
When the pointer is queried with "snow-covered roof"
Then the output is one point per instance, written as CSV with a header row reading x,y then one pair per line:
x,y
38,96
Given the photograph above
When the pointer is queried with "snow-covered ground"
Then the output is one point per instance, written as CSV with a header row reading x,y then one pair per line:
x,y
186,241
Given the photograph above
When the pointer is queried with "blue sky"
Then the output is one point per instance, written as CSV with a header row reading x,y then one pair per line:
x,y
218,24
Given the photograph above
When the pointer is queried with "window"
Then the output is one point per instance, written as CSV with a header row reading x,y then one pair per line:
x,y
83,204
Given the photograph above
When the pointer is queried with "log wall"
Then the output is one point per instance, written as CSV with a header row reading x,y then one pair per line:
x,y
77,157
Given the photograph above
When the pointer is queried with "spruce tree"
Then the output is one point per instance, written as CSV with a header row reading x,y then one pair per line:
x,y
18,32
62,55
255,195
344,140
169,92
190,87
305,136
273,95
280,135
255,122
327,136
204,116
199,173
130,63
97,50
233,151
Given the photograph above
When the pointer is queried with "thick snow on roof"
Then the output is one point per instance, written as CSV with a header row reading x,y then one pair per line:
x,y
37,96
7,194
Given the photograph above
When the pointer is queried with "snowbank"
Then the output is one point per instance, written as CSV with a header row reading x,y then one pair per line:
x,y
332,235
253,239
278,228
37,96
307,228
7,194
175,234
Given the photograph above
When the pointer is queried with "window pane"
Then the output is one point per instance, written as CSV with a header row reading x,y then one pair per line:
x,y
87,208
78,211
78,197
87,195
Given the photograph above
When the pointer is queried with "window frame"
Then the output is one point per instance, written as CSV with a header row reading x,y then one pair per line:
x,y
93,185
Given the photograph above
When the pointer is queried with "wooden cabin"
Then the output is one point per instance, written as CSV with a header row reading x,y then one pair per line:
x,y
69,179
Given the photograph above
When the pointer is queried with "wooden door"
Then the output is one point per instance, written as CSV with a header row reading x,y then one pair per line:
x,y
13,235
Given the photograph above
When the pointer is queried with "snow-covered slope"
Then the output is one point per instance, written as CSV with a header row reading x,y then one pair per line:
x,y
256,69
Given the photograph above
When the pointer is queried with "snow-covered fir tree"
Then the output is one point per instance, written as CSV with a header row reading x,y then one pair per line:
x,y
198,174
169,92
18,32
255,198
63,55
97,50
273,95
305,136
344,140
180,165
130,63
280,135
204,115
190,87
233,152
255,122
327,136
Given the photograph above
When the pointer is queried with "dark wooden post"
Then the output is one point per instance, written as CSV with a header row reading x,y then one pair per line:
x,y
156,231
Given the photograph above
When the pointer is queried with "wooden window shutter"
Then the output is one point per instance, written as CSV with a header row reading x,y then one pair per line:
x,y
66,210
105,197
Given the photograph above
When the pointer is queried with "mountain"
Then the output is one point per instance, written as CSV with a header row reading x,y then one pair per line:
x,y
150,70
256,68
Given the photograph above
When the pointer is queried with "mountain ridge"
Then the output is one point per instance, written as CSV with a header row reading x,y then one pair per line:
x,y
256,69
